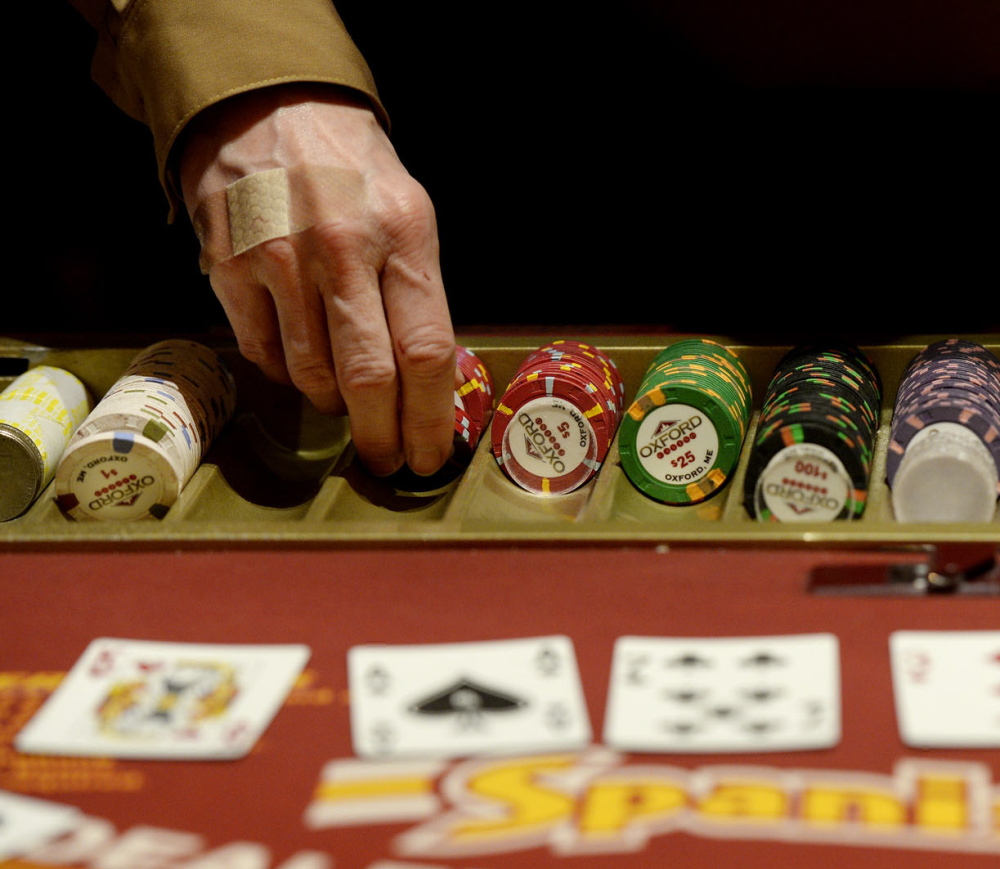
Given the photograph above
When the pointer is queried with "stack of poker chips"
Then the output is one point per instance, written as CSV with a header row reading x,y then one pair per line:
x,y
813,449
557,418
473,410
138,448
681,438
473,403
944,442
39,412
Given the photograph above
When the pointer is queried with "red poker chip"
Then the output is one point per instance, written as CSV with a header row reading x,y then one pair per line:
x,y
475,394
476,402
563,385
558,417
528,450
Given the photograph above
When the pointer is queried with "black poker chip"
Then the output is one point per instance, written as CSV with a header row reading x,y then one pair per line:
x,y
813,448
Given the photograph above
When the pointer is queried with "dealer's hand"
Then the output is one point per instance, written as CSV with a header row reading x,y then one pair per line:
x,y
349,305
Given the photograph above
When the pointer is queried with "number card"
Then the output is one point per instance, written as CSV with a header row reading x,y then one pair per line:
x,y
459,699
947,688
724,694
27,823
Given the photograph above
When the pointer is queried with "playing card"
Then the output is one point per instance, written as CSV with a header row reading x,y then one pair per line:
x,y
144,699
724,694
460,699
27,823
947,687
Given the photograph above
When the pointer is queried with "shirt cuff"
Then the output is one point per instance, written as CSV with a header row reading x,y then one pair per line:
x,y
164,61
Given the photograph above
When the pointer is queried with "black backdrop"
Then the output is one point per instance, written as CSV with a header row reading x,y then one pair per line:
x,y
738,168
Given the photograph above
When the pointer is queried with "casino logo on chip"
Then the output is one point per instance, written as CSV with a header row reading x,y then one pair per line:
x,y
558,417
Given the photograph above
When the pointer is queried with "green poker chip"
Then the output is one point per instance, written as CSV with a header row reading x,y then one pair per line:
x,y
680,439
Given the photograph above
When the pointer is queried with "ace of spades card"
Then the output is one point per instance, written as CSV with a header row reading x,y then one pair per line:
x,y
946,686
147,699
724,694
459,699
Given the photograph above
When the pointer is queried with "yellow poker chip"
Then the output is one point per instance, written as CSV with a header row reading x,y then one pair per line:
x,y
39,412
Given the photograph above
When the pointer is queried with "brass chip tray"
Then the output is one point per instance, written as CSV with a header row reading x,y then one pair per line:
x,y
283,475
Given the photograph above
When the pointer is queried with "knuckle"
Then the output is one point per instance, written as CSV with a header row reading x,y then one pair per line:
x,y
340,237
404,207
280,252
366,375
413,211
266,355
428,351
399,216
228,272
312,376
350,247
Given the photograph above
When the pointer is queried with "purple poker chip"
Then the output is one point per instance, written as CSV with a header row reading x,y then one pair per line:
x,y
950,381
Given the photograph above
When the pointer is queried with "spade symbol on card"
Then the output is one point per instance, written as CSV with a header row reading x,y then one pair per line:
x,y
548,662
468,703
763,658
635,669
377,680
689,661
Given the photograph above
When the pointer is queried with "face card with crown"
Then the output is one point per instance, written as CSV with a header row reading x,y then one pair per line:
x,y
150,699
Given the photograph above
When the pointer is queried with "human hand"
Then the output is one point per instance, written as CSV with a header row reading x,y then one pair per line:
x,y
335,286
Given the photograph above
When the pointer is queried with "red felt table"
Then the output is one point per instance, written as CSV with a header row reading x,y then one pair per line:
x,y
252,812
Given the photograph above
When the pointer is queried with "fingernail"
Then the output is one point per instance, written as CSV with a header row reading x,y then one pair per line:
x,y
427,460
384,467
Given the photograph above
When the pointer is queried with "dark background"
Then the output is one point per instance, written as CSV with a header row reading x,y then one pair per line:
x,y
734,168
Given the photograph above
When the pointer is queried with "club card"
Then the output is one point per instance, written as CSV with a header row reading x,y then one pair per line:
x,y
724,694
460,699
143,699
946,686
27,823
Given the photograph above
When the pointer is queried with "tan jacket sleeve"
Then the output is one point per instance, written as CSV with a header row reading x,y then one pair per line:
x,y
163,61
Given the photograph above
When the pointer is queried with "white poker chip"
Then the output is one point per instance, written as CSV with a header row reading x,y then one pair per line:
x,y
133,454
183,452
117,476
945,475
805,483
